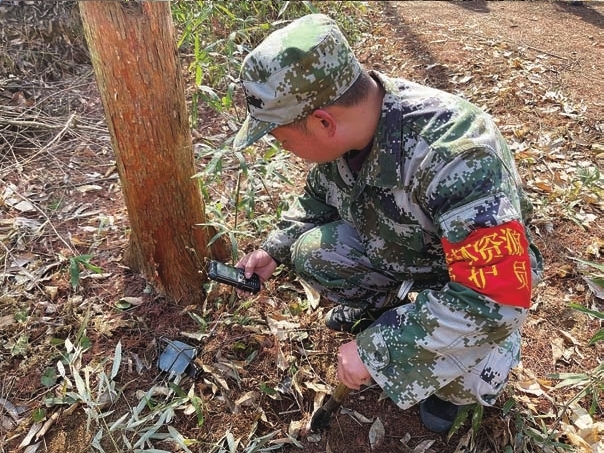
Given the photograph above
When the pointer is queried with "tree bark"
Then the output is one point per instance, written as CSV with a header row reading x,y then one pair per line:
x,y
135,60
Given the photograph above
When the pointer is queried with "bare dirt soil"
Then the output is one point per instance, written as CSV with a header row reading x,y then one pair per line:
x,y
535,66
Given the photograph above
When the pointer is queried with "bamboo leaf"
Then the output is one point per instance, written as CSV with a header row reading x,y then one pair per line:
x,y
597,314
74,273
597,266
117,360
597,337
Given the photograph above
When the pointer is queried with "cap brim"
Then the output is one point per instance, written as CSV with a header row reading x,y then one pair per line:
x,y
251,131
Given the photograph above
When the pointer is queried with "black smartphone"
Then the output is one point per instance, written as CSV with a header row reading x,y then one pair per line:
x,y
233,276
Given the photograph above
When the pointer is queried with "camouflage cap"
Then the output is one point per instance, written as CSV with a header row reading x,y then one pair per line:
x,y
302,67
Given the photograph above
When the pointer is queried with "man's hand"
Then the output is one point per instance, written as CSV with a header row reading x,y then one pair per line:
x,y
351,370
258,262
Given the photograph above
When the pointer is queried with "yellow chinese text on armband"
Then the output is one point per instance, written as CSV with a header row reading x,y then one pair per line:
x,y
494,262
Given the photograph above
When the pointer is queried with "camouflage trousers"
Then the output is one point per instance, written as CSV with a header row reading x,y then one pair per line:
x,y
461,349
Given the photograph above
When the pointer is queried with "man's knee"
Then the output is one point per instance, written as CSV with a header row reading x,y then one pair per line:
x,y
324,248
304,252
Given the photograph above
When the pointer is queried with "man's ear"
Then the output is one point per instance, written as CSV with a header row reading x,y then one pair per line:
x,y
324,122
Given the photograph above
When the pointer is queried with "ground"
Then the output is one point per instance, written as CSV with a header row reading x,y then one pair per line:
x,y
535,66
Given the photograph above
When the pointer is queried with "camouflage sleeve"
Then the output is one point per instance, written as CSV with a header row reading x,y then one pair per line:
x,y
474,201
308,210
476,204
475,189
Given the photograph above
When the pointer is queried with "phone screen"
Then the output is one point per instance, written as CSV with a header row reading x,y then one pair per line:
x,y
232,273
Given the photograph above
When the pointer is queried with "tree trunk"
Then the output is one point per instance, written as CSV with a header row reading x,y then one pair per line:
x,y
134,55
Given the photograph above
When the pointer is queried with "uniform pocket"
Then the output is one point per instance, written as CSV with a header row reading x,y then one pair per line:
x,y
375,351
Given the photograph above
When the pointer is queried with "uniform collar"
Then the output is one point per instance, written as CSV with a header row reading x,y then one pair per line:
x,y
384,164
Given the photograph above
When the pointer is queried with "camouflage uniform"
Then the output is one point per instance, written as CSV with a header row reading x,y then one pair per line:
x,y
438,172
438,168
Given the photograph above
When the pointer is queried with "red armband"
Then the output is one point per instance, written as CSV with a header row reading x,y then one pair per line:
x,y
494,262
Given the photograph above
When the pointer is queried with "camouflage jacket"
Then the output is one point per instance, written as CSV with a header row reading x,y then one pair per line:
x,y
438,169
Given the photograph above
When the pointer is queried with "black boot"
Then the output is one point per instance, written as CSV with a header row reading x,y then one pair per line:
x,y
352,320
438,415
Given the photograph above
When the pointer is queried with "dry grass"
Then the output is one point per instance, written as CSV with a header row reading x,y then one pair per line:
x,y
266,362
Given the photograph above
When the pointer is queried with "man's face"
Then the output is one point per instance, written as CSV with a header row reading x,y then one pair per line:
x,y
306,144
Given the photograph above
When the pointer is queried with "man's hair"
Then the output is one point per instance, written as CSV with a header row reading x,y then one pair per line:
x,y
356,94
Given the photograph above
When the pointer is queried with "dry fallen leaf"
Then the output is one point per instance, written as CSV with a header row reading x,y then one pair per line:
x,y
6,321
135,301
297,379
281,328
593,434
16,201
32,448
295,427
88,187
578,442
585,435
424,446
247,399
530,386
216,377
376,433
557,349
596,286
464,443
356,415
282,361
312,295
33,430
570,339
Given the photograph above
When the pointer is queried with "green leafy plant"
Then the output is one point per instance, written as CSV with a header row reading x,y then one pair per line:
x,y
477,412
78,262
229,444
97,391
235,213
216,35
531,434
599,336
593,274
590,384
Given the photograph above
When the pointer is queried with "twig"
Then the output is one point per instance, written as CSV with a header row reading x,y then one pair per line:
x,y
60,134
293,411
543,51
26,123
56,138
30,123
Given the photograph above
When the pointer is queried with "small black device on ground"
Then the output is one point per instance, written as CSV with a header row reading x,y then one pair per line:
x,y
233,276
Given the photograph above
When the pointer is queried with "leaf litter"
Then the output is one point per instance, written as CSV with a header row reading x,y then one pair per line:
x,y
60,198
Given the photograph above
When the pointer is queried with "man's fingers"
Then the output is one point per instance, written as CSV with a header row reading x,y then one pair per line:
x,y
344,378
351,370
344,374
